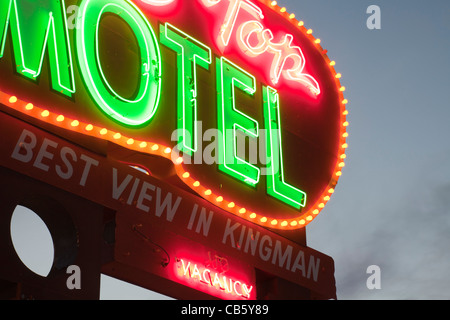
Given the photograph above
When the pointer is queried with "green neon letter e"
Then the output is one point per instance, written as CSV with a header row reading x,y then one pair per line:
x,y
276,186
37,26
230,119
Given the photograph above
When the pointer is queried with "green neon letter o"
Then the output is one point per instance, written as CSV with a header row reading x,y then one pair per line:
x,y
130,112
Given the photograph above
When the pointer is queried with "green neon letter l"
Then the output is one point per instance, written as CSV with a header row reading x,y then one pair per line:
x,y
276,186
35,26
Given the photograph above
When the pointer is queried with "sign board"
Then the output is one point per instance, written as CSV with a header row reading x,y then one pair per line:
x,y
151,214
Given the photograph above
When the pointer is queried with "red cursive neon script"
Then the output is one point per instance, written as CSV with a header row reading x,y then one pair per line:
x,y
288,61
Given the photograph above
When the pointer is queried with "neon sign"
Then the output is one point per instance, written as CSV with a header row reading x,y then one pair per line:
x,y
247,69
212,279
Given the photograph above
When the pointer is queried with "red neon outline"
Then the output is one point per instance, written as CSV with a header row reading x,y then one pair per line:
x,y
212,196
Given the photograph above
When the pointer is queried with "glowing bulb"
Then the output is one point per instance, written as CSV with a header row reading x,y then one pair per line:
x,y
196,184
219,199
117,136
179,160
29,107
103,131
130,141
75,123
186,175
60,118
45,113
143,145
89,127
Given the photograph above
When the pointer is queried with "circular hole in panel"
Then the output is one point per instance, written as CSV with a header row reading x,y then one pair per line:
x,y
32,241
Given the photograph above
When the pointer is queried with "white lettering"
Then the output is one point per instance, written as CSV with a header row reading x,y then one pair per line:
x,y
66,151
89,163
167,205
229,233
44,154
118,190
145,196
282,259
26,147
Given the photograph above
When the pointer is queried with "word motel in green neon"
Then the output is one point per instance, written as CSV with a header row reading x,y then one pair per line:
x,y
39,28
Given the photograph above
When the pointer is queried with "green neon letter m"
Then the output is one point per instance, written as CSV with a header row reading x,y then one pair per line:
x,y
36,26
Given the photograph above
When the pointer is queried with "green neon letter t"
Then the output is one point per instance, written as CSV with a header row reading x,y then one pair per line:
x,y
190,53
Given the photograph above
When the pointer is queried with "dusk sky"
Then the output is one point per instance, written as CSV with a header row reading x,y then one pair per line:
x,y
391,207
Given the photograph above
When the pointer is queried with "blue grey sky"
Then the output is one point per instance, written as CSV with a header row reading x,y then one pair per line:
x,y
391,207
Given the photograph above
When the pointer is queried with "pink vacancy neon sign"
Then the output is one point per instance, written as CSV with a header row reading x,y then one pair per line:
x,y
206,278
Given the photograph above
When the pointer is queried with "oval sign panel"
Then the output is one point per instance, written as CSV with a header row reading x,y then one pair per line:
x,y
234,100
